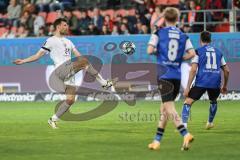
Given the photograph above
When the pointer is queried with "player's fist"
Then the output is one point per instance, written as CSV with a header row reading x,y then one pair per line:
x,y
224,90
18,61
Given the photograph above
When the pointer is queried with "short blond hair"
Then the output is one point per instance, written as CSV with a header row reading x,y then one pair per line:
x,y
171,14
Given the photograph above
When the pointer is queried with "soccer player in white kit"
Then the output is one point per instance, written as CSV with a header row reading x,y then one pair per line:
x,y
60,49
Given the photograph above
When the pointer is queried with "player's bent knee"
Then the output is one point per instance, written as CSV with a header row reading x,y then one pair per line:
x,y
83,61
70,101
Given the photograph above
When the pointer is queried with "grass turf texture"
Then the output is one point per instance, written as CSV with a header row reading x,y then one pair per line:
x,y
118,135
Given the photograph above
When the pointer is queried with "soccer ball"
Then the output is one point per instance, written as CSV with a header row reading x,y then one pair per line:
x,y
128,47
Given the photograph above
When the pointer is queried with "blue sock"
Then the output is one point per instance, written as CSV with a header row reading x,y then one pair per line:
x,y
182,130
212,111
185,112
159,134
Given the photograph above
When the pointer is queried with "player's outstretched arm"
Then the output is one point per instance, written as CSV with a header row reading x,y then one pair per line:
x,y
189,55
192,75
226,72
32,58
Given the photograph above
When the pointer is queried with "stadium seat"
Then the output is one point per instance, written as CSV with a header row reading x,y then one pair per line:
x,y
225,27
108,12
166,2
121,12
51,17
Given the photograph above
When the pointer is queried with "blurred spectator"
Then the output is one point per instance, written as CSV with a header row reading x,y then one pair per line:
x,y
27,20
37,23
182,5
214,4
28,7
41,32
105,30
10,33
186,28
157,18
129,25
84,22
43,5
22,32
51,30
98,19
144,29
77,13
142,18
92,29
124,30
3,5
193,17
5,34
145,7
118,20
139,28
61,5
113,4
115,30
72,21
13,12
108,22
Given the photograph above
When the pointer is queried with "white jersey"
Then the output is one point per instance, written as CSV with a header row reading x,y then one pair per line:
x,y
60,49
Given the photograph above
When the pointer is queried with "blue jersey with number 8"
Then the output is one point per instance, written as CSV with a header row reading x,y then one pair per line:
x,y
171,45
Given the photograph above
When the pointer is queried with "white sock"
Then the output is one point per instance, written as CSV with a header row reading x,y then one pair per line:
x,y
55,118
101,80
185,125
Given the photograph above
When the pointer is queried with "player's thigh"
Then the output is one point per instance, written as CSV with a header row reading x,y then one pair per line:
x,y
169,89
56,83
195,92
65,71
213,94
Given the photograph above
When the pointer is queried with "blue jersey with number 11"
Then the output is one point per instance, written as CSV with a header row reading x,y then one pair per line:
x,y
171,45
210,60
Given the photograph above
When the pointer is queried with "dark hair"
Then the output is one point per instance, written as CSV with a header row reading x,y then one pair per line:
x,y
59,21
205,36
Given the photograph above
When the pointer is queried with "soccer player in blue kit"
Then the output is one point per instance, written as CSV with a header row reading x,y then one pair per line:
x,y
169,45
206,67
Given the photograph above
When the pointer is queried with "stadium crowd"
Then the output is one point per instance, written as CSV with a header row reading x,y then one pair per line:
x,y
30,18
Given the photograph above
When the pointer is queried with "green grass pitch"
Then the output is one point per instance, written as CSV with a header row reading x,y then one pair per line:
x,y
122,134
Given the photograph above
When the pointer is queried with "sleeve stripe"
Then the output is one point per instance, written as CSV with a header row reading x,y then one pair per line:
x,y
189,49
46,49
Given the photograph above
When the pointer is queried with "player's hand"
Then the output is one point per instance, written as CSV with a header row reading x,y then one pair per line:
x,y
18,61
224,90
186,91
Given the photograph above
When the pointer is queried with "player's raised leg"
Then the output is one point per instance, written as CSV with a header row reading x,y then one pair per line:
x,y
83,63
